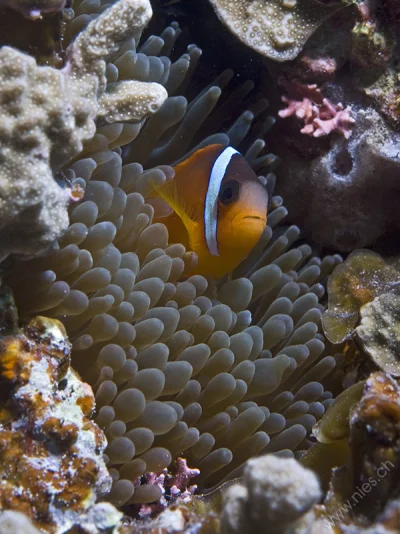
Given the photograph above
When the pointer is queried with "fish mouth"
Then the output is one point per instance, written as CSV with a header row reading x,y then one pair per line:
x,y
254,217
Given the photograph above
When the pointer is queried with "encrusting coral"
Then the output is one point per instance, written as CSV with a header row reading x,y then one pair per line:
x,y
363,493
212,372
363,300
51,453
276,29
363,276
385,92
47,114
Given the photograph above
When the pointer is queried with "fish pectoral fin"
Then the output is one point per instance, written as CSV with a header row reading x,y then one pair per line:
x,y
170,194
161,207
177,231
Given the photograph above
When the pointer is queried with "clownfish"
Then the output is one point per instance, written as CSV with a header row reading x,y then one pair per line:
x,y
217,207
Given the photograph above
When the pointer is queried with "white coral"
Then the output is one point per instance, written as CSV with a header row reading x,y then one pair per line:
x,y
47,114
276,497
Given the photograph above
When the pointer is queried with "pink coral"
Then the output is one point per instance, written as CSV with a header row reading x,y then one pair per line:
x,y
320,115
173,488
180,483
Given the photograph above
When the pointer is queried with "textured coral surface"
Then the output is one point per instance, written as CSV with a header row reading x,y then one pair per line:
x,y
50,451
276,29
46,114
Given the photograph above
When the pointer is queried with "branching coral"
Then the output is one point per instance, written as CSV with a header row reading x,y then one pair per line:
x,y
46,114
216,372
276,29
320,115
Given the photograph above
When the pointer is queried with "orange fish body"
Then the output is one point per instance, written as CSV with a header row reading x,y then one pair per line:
x,y
219,208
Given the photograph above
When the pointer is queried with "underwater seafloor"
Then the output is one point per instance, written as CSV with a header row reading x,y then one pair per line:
x,y
199,257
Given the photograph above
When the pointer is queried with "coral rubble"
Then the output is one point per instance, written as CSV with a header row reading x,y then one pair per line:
x,y
46,114
50,451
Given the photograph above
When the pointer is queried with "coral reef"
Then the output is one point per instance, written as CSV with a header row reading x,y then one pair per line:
x,y
46,114
102,518
212,372
347,184
173,487
363,493
372,39
275,29
348,73
277,494
50,451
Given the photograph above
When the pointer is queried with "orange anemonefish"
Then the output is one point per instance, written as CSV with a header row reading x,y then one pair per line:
x,y
217,207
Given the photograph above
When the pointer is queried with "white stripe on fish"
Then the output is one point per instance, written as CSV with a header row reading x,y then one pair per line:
x,y
211,204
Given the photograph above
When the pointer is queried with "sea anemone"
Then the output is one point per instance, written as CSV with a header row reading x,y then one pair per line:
x,y
215,371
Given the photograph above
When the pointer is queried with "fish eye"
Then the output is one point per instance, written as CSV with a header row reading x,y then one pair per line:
x,y
229,192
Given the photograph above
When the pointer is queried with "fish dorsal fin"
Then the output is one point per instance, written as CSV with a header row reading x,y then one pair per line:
x,y
218,172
